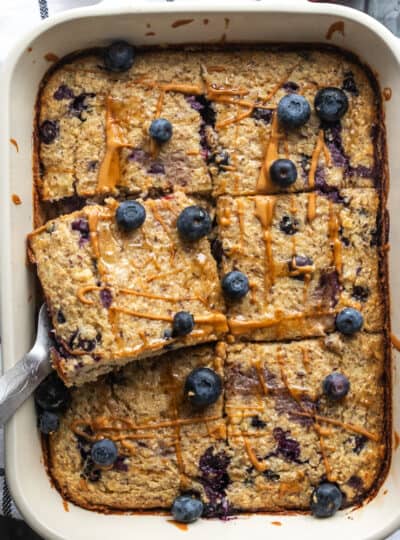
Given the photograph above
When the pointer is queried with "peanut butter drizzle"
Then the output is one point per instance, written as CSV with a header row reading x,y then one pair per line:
x,y
234,119
295,393
286,147
217,320
396,440
84,290
344,425
113,426
337,26
181,22
160,103
240,326
260,374
264,182
213,91
16,199
265,207
249,408
219,95
334,226
101,423
180,526
93,219
225,219
293,206
395,342
157,217
311,207
306,360
109,172
300,270
387,93
14,143
155,277
171,87
307,280
261,467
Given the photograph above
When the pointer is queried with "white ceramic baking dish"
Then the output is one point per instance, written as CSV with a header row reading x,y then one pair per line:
x,y
269,20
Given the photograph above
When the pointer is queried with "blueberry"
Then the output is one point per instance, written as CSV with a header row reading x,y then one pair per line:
x,y
293,111
130,215
52,395
193,223
262,114
182,324
104,453
298,262
48,131
235,285
326,500
283,172
203,386
360,293
349,321
221,159
288,225
257,423
302,260
119,56
48,422
336,386
349,84
161,130
186,509
331,104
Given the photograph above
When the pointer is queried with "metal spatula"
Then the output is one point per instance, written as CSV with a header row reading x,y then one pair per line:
x,y
19,382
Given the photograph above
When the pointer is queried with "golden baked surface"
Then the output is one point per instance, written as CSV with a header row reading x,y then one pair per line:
x,y
265,445
113,294
308,251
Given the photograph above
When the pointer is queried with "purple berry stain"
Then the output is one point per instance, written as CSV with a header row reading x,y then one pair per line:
x,y
287,447
82,226
208,116
106,298
138,155
215,479
329,287
156,167
79,104
63,92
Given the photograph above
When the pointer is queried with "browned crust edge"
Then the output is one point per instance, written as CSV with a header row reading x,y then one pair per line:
x,y
382,173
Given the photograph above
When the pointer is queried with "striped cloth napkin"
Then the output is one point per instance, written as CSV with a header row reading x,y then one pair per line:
x,y
18,16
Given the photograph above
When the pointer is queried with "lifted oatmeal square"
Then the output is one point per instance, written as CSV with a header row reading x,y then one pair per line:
x,y
113,294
